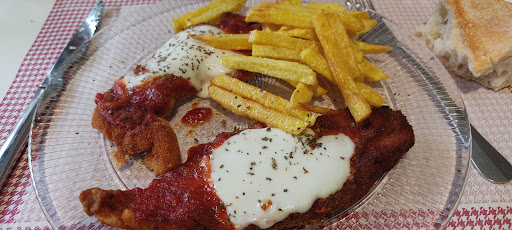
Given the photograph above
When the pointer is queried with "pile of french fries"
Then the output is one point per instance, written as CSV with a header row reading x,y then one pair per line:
x,y
297,43
207,14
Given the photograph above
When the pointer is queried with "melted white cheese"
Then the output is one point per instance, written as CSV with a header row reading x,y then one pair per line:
x,y
259,167
186,57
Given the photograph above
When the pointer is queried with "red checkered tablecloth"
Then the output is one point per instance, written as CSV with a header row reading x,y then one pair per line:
x,y
483,206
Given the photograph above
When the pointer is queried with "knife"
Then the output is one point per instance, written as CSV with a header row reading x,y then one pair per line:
x,y
488,161
16,142
485,158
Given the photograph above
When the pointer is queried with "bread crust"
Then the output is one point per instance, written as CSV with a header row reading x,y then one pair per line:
x,y
486,28
473,40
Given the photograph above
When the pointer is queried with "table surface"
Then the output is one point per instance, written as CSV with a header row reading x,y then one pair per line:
x,y
29,17
39,29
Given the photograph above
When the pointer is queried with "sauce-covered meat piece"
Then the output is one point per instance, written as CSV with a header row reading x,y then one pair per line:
x,y
185,197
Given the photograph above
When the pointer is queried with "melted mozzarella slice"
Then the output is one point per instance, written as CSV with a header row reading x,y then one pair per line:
x,y
264,175
186,57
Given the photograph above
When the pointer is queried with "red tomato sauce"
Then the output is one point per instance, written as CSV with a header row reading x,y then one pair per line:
x,y
336,123
197,116
236,24
186,192
129,108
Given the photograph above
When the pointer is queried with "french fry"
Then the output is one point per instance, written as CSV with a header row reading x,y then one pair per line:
x,y
327,6
359,58
254,110
356,103
275,68
368,48
368,25
251,92
265,98
301,95
316,61
317,48
308,34
316,109
283,28
339,55
277,39
349,21
225,41
209,13
371,72
359,55
360,14
267,27
372,97
319,91
279,17
292,2
296,16
275,52
349,67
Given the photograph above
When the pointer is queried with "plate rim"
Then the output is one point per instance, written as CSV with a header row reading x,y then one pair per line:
x,y
109,27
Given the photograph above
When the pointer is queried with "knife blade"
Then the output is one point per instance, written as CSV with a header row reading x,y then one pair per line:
x,y
488,161
16,142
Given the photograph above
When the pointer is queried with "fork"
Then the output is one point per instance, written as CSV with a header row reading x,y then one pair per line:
x,y
484,157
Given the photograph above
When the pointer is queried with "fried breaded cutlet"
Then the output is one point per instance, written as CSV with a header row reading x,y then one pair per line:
x,y
155,137
134,121
184,197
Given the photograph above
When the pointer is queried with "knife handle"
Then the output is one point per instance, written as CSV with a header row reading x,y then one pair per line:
x,y
16,141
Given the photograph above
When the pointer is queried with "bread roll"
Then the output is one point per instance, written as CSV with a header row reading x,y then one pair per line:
x,y
473,39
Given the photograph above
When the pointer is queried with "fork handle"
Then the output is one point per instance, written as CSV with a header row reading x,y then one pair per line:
x,y
360,5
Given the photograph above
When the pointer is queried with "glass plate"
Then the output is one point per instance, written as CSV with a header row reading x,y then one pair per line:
x,y
68,156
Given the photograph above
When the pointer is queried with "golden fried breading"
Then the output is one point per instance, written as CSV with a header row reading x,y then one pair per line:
x,y
154,136
177,200
111,208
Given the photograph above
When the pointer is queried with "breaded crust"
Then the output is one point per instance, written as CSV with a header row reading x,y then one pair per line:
x,y
110,207
154,136
151,134
380,141
383,139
